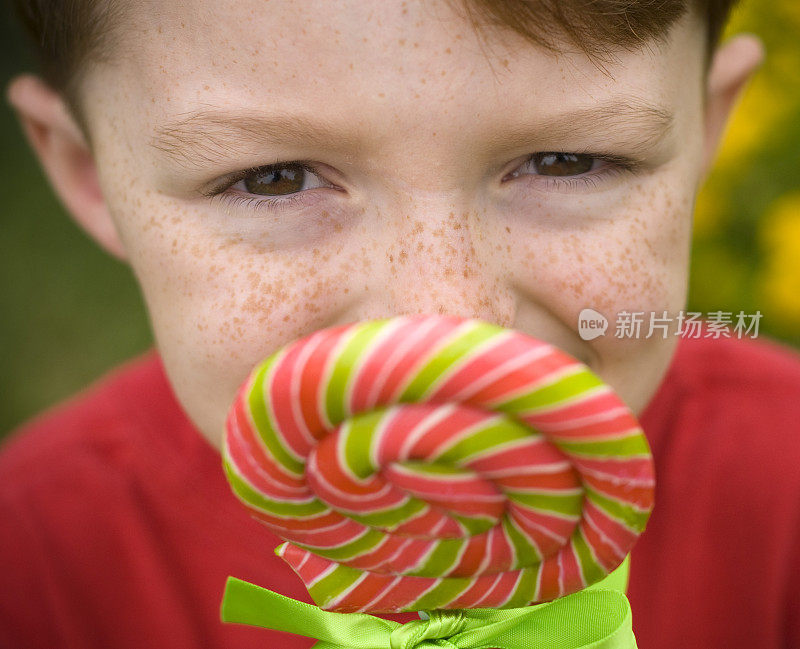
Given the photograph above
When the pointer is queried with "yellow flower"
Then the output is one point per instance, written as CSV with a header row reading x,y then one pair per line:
x,y
771,99
779,280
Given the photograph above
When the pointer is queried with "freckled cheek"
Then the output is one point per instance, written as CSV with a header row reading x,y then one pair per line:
x,y
636,261
222,298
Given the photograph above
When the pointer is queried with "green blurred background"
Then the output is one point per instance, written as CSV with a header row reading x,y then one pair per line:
x,y
70,312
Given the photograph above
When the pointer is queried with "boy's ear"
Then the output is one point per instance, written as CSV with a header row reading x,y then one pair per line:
x,y
65,156
731,68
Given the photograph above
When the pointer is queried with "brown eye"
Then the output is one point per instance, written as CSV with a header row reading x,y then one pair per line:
x,y
562,164
276,181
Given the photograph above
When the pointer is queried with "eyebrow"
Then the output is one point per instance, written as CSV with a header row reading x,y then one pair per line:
x,y
640,124
208,135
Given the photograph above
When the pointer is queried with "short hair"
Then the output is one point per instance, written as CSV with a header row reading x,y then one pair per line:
x,y
599,27
69,35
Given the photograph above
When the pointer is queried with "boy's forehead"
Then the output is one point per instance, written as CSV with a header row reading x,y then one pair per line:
x,y
387,60
305,42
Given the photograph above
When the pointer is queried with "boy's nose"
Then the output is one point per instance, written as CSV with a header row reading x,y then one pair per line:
x,y
438,257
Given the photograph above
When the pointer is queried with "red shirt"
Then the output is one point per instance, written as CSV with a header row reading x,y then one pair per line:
x,y
118,529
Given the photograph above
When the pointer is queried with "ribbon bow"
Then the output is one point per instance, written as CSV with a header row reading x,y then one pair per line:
x,y
598,617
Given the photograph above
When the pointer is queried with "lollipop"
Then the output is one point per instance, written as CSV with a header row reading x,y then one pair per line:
x,y
431,462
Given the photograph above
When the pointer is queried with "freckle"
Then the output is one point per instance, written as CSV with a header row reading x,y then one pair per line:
x,y
381,94
402,41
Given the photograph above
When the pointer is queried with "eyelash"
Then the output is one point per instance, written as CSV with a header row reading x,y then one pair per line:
x,y
616,165
221,191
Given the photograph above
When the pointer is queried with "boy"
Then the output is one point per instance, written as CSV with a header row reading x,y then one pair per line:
x,y
272,168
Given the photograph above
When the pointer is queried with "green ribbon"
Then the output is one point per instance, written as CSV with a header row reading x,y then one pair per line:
x,y
598,617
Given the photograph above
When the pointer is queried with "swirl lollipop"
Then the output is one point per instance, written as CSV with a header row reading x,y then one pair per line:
x,y
431,462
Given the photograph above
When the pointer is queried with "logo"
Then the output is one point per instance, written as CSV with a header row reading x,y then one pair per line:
x,y
591,324
687,324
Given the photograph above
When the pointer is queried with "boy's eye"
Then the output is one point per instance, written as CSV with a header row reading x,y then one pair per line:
x,y
554,170
279,180
562,164
558,164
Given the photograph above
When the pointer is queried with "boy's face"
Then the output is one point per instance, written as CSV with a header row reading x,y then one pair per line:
x,y
422,195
